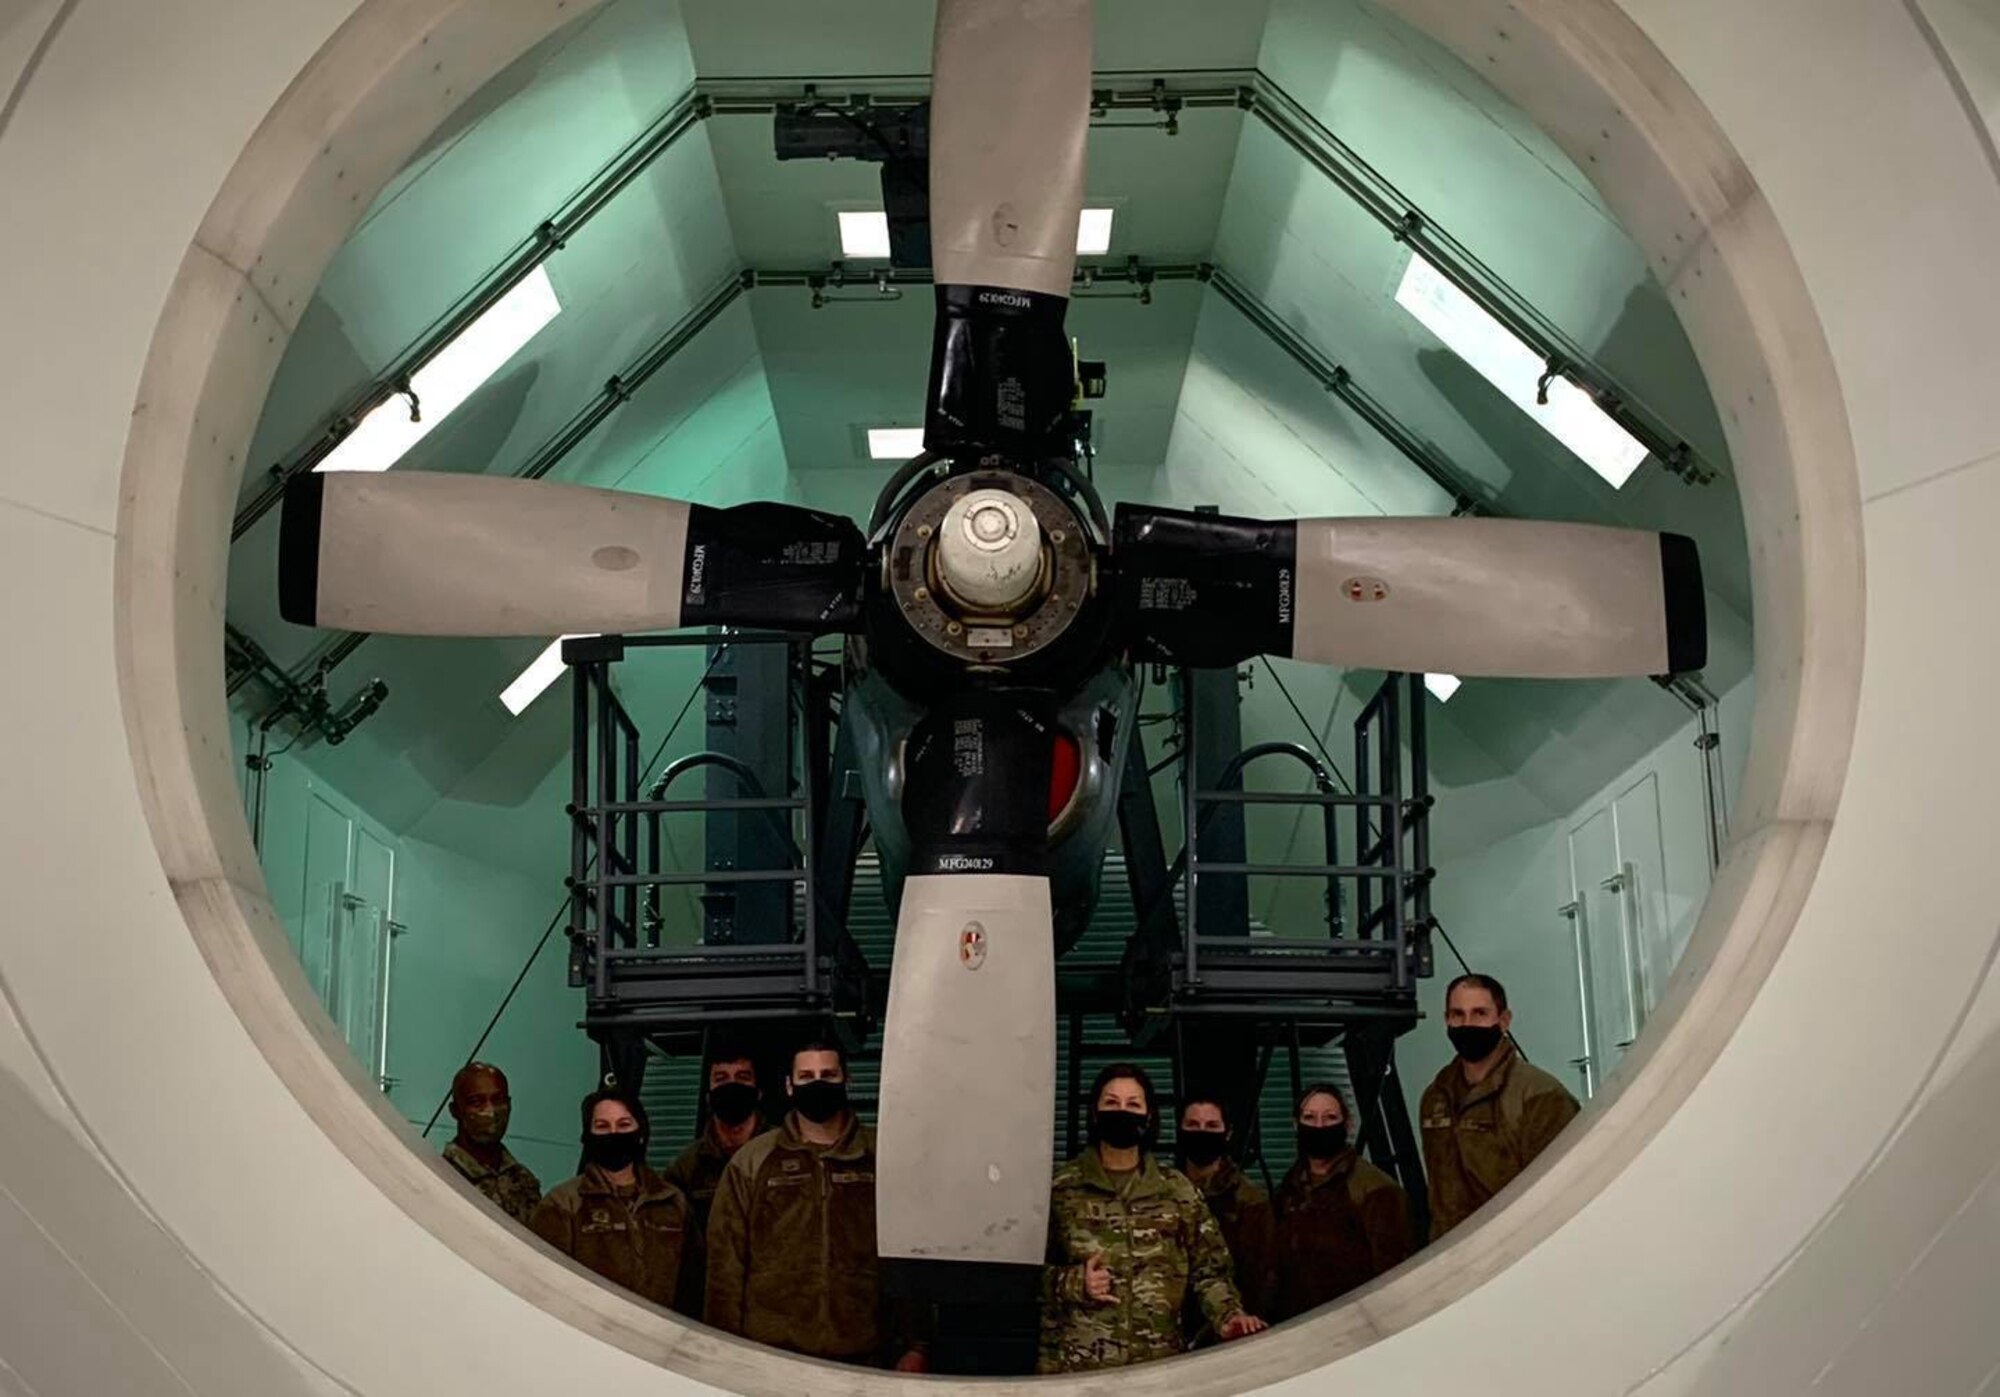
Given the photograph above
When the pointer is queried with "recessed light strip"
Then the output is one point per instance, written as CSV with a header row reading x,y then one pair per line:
x,y
546,668
386,434
1516,370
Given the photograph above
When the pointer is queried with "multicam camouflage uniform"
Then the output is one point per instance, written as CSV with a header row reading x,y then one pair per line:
x,y
1161,1245
512,1185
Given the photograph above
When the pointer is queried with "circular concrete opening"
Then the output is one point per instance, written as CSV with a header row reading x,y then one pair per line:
x,y
382,87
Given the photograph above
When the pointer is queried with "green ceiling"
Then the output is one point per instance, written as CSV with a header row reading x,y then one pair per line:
x,y
770,400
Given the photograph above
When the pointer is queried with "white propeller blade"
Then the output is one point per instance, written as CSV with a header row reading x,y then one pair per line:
x,y
1009,118
1460,596
967,1119
437,554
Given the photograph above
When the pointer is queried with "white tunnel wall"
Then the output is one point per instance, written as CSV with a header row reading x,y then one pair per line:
x,y
1868,161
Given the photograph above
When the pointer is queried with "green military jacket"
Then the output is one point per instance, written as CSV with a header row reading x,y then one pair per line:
x,y
791,1259
1337,1232
1478,1138
1162,1246
644,1238
697,1172
1249,1228
513,1185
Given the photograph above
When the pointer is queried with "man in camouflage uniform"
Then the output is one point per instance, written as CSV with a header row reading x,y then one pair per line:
x,y
1130,1242
1488,1114
732,1121
791,1241
481,1106
1241,1207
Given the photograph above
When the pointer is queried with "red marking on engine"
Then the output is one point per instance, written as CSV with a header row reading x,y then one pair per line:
x,y
1064,771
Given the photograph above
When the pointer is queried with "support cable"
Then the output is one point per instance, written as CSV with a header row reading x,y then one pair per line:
x,y
563,908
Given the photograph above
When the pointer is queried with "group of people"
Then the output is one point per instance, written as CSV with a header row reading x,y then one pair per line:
x,y
768,1232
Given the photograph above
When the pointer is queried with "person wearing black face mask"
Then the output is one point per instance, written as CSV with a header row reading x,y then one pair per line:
x,y
792,1259
1130,1245
1341,1221
733,1120
1241,1208
1489,1112
618,1217
481,1106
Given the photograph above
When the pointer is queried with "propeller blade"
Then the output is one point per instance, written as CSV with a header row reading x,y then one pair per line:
x,y
1010,115
1009,118
441,554
1461,596
967,1119
966,1138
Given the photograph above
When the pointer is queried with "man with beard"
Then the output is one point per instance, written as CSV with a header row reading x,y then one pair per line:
x,y
1242,1209
621,1219
792,1259
1341,1221
1489,1113
481,1106
732,1121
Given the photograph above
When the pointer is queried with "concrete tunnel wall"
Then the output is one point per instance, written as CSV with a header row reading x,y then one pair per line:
x,y
202,1202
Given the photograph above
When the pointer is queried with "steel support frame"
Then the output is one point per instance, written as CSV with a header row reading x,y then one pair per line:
x,y
635,987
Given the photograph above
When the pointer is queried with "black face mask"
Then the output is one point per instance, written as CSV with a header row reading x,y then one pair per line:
x,y
1121,1129
1203,1147
1474,1044
614,1150
820,1102
1322,1141
732,1103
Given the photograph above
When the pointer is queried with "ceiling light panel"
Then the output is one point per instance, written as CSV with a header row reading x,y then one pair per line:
x,y
895,443
864,233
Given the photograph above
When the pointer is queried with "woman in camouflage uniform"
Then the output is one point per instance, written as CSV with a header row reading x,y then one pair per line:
x,y
1130,1241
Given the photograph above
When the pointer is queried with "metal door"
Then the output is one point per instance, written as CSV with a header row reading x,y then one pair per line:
x,y
1595,929
1642,870
345,940
329,855
1618,923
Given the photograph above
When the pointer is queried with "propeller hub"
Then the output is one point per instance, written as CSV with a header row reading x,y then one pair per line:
x,y
989,550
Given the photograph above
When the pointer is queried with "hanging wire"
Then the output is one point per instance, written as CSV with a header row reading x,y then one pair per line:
x,y
1304,722
563,906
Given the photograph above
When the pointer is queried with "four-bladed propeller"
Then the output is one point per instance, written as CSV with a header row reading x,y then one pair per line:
x,y
972,1000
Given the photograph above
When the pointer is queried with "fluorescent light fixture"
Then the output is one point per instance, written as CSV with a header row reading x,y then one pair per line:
x,y
387,433
1093,233
546,669
1516,370
1442,686
894,443
864,233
